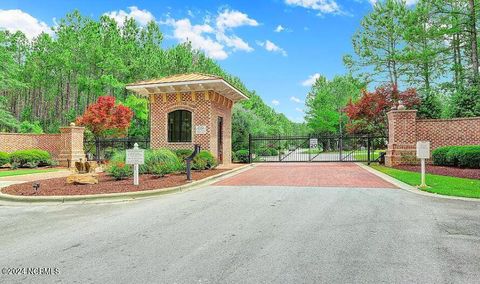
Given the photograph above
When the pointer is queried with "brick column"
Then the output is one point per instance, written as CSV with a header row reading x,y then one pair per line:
x,y
401,136
72,145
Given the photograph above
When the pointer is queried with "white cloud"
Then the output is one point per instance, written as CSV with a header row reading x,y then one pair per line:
x,y
229,19
215,40
17,20
279,29
322,6
296,100
275,102
143,17
299,109
234,42
311,80
408,2
184,31
270,46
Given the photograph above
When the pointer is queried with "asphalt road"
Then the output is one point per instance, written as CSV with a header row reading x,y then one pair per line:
x,y
248,235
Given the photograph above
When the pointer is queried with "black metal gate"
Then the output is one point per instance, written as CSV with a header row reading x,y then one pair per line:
x,y
101,149
360,148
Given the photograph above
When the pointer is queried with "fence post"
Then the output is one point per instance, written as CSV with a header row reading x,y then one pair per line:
x,y
279,152
368,149
249,148
340,146
97,149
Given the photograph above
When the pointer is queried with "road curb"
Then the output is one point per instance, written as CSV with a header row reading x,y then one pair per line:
x,y
412,189
122,196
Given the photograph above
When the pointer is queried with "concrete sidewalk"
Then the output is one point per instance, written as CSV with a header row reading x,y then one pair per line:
x,y
6,181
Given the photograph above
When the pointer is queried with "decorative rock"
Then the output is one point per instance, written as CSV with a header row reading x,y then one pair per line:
x,y
72,124
82,179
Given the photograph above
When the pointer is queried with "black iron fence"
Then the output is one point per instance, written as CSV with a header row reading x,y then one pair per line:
x,y
317,148
101,149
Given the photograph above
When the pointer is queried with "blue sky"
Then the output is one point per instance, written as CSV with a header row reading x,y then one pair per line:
x,y
274,46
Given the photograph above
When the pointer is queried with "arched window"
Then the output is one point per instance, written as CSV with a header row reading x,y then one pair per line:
x,y
180,126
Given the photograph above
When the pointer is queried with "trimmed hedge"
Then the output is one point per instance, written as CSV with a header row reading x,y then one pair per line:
x,y
4,158
242,156
30,158
457,156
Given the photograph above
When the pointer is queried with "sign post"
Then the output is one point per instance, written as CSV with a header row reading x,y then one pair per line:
x,y
135,157
313,143
423,152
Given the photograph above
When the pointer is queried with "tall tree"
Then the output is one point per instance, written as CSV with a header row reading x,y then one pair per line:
x,y
379,43
326,100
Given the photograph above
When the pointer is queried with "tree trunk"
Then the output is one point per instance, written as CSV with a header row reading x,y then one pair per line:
x,y
473,41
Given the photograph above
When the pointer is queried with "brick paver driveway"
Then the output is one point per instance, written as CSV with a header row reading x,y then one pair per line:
x,y
307,175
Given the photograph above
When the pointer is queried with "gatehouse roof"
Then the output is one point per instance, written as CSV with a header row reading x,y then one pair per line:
x,y
192,82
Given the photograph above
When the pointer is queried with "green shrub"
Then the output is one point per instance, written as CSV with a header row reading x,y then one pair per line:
x,y
204,161
182,154
160,156
268,151
439,156
152,157
119,170
161,169
457,156
4,158
242,156
30,158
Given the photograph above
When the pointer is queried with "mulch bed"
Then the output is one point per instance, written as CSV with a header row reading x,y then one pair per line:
x,y
445,171
106,184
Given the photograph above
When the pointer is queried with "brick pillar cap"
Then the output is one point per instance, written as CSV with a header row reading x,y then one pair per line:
x,y
400,111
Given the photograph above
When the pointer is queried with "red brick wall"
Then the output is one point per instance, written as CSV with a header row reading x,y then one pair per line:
x,y
64,147
205,108
446,132
405,130
10,142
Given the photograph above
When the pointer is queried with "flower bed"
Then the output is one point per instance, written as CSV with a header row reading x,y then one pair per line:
x,y
107,184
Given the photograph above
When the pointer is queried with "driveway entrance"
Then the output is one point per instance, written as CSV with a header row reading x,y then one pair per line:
x,y
307,175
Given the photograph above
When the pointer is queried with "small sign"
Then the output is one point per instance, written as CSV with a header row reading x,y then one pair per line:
x,y
135,157
313,143
423,149
201,129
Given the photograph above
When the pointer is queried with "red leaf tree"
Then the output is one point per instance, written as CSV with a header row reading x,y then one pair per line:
x,y
369,113
105,119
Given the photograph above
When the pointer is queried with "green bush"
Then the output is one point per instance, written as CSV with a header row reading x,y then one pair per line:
x,y
182,154
30,158
268,151
160,156
204,161
161,169
119,170
4,158
439,156
152,157
242,156
457,156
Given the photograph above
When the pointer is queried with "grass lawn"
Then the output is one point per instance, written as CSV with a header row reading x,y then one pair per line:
x,y
445,185
363,155
360,155
25,172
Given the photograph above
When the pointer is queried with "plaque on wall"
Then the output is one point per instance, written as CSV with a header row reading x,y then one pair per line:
x,y
201,129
